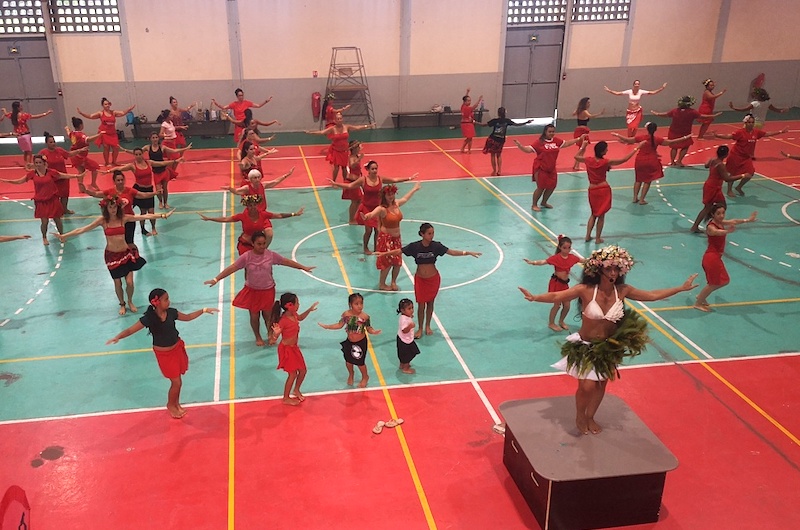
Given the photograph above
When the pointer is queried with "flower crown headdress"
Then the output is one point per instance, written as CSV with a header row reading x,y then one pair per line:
x,y
251,199
389,189
110,199
610,256
685,101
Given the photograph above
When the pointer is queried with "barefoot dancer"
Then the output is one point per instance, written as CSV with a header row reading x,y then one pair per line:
x,y
19,120
357,324
108,129
238,107
258,293
707,106
79,151
256,186
169,348
633,116
562,261
547,149
468,121
354,195
683,116
712,188
339,150
497,138
608,333
583,116
717,230
407,348
121,259
427,279
57,160
599,190
290,358
389,216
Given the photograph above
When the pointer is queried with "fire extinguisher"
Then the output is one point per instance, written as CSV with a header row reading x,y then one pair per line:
x,y
316,105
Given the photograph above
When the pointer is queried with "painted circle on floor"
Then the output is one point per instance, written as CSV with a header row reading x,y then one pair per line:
x,y
409,272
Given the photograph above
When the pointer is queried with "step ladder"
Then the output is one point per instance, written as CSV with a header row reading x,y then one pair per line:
x,y
347,81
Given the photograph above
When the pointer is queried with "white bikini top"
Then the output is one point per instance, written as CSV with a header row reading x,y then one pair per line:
x,y
615,312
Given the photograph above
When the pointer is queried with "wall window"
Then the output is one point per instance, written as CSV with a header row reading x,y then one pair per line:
x,y
529,12
21,17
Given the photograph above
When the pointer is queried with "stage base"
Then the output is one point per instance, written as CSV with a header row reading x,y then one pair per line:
x,y
574,481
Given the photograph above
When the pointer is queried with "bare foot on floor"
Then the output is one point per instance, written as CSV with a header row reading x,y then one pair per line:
x,y
536,208
153,232
132,307
731,195
428,331
260,341
409,371
45,242
363,382
547,205
582,424
350,381
702,307
384,288
635,200
176,412
555,328
291,401
594,428
298,396
599,240
394,287
418,334
122,309
563,326
642,201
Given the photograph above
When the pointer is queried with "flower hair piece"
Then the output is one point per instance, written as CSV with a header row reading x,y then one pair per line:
x,y
610,256
684,102
707,82
247,200
154,300
389,189
110,199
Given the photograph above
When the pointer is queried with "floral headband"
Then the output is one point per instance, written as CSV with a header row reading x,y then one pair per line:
x,y
707,82
389,189
610,256
110,199
686,101
247,200
154,300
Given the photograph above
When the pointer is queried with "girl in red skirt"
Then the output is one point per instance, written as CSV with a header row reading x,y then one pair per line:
x,y
169,348
680,128
468,121
19,119
582,115
290,358
563,260
47,202
716,275
108,129
339,150
79,150
353,195
258,293
712,188
57,160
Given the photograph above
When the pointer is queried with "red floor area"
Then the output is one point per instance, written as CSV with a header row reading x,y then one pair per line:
x,y
320,466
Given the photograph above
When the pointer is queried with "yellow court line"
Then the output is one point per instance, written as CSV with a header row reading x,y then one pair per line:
x,y
232,370
412,468
730,304
650,321
91,354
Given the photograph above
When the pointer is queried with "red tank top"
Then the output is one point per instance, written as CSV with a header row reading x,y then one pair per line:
x,y
108,123
596,169
143,175
372,194
249,226
56,159
716,244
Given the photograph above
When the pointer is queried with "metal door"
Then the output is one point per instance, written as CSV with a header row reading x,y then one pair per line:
x,y
532,71
28,77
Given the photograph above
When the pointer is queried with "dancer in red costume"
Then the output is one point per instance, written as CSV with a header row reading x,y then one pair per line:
x,y
121,259
647,165
633,115
741,159
712,188
168,347
239,106
253,219
161,174
717,230
249,123
19,119
80,150
599,191
468,121
389,216
46,201
251,156
683,116
547,149
256,186
353,195
582,115
339,135
290,358
57,160
370,185
177,120
426,278
562,261
108,129
707,106
331,111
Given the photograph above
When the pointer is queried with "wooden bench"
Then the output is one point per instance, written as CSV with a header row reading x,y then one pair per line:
x,y
430,119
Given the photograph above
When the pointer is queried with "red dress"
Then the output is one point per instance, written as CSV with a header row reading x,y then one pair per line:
x,y
560,264
108,130
81,161
370,200
57,161
706,107
238,108
712,188
249,227
290,358
716,274
681,125
128,194
353,194
258,190
599,189
467,121
741,158
647,164
545,163
339,151
47,202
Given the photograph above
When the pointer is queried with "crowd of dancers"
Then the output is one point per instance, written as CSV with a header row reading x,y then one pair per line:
x,y
607,333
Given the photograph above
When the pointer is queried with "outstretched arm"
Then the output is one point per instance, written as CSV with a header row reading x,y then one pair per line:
x,y
793,157
228,219
137,326
78,231
184,317
293,264
624,139
776,133
574,141
262,104
404,199
554,297
618,161
659,294
740,109
676,140
525,148
275,182
615,92
397,180
656,91
42,115
779,110
302,316
661,114
93,116
6,239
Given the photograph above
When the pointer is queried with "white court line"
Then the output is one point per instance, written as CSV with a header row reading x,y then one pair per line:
x,y
220,294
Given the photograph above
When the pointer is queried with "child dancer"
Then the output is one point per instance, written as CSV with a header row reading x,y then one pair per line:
x,y
169,348
357,324
562,261
290,358
407,349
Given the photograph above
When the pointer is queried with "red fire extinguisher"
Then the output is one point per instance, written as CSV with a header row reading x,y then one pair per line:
x,y
316,105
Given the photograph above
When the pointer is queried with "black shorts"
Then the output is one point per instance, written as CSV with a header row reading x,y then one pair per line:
x,y
144,204
355,352
130,229
406,352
